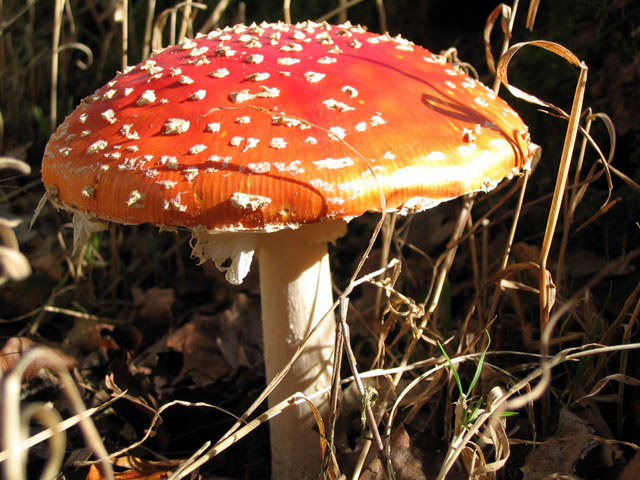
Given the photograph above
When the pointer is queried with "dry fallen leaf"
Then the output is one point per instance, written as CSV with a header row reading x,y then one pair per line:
x,y
632,470
407,460
203,361
214,345
137,469
89,336
16,347
155,305
561,452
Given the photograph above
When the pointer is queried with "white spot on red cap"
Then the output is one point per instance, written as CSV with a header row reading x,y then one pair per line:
x,y
196,52
467,135
131,163
213,127
251,143
352,92
333,163
245,95
287,61
246,201
108,95
170,161
97,146
327,60
336,105
150,63
224,161
176,126
254,58
128,133
198,95
277,142
197,149
147,97
377,120
241,96
167,184
291,47
314,77
468,83
175,203
185,80
219,73
298,35
257,77
258,167
321,184
187,44
253,43
236,141
109,116
225,51
190,173
337,133
135,199
89,191
293,167
268,92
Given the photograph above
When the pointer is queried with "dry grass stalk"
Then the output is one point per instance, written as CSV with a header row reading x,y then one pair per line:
x,y
214,19
15,423
148,29
55,52
546,293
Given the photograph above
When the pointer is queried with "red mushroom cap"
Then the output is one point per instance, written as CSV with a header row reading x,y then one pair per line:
x,y
273,126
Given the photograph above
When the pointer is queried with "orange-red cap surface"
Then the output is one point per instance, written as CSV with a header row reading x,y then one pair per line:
x,y
273,126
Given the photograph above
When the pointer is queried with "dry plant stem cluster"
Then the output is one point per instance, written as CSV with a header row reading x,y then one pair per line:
x,y
15,421
546,293
433,299
13,264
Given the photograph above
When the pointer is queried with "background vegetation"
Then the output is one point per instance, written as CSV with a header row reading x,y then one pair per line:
x,y
135,314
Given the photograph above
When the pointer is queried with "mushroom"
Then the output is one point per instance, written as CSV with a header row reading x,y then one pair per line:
x,y
269,138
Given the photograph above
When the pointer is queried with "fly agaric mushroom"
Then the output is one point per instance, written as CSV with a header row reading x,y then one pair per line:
x,y
269,138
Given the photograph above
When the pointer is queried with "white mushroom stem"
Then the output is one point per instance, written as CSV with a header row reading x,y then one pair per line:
x,y
296,292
